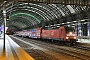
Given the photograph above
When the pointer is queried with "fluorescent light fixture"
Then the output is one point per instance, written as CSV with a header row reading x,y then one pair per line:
x,y
4,11
46,26
63,23
25,9
21,4
68,22
5,1
25,3
85,22
4,14
74,21
58,26
80,30
51,25
7,19
82,20
73,24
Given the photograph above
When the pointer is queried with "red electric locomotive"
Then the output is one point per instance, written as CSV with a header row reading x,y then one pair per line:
x,y
62,34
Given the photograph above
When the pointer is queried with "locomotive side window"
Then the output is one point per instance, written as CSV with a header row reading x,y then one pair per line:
x,y
61,31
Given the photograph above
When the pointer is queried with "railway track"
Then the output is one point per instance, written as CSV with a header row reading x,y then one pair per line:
x,y
72,52
82,47
35,53
39,55
80,54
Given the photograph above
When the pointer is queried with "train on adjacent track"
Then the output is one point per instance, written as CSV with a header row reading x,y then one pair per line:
x,y
62,34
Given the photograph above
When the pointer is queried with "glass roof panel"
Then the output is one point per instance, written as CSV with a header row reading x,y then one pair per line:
x,y
71,9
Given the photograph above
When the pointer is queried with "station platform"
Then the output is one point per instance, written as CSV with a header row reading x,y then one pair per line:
x,y
12,51
84,39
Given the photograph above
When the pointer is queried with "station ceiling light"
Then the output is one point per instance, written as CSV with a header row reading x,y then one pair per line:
x,y
68,22
73,24
82,20
58,26
85,22
52,25
74,21
7,19
63,23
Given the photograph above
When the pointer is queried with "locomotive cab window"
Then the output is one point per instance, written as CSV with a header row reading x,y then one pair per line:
x,y
69,29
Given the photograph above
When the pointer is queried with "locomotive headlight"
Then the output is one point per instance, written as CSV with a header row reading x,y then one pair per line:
x,y
74,37
66,37
70,33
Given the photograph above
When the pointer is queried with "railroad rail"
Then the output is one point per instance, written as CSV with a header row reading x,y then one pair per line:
x,y
77,53
34,52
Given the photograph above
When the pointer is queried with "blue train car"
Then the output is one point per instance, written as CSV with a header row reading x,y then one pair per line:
x,y
33,33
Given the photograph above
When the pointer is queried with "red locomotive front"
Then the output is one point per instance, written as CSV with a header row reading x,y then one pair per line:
x,y
70,35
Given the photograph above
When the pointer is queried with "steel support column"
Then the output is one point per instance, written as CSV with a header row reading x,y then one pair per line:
x,y
4,14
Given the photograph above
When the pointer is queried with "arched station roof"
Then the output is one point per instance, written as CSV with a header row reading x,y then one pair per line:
x,y
26,15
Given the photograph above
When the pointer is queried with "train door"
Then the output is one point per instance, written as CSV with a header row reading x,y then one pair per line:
x,y
62,33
